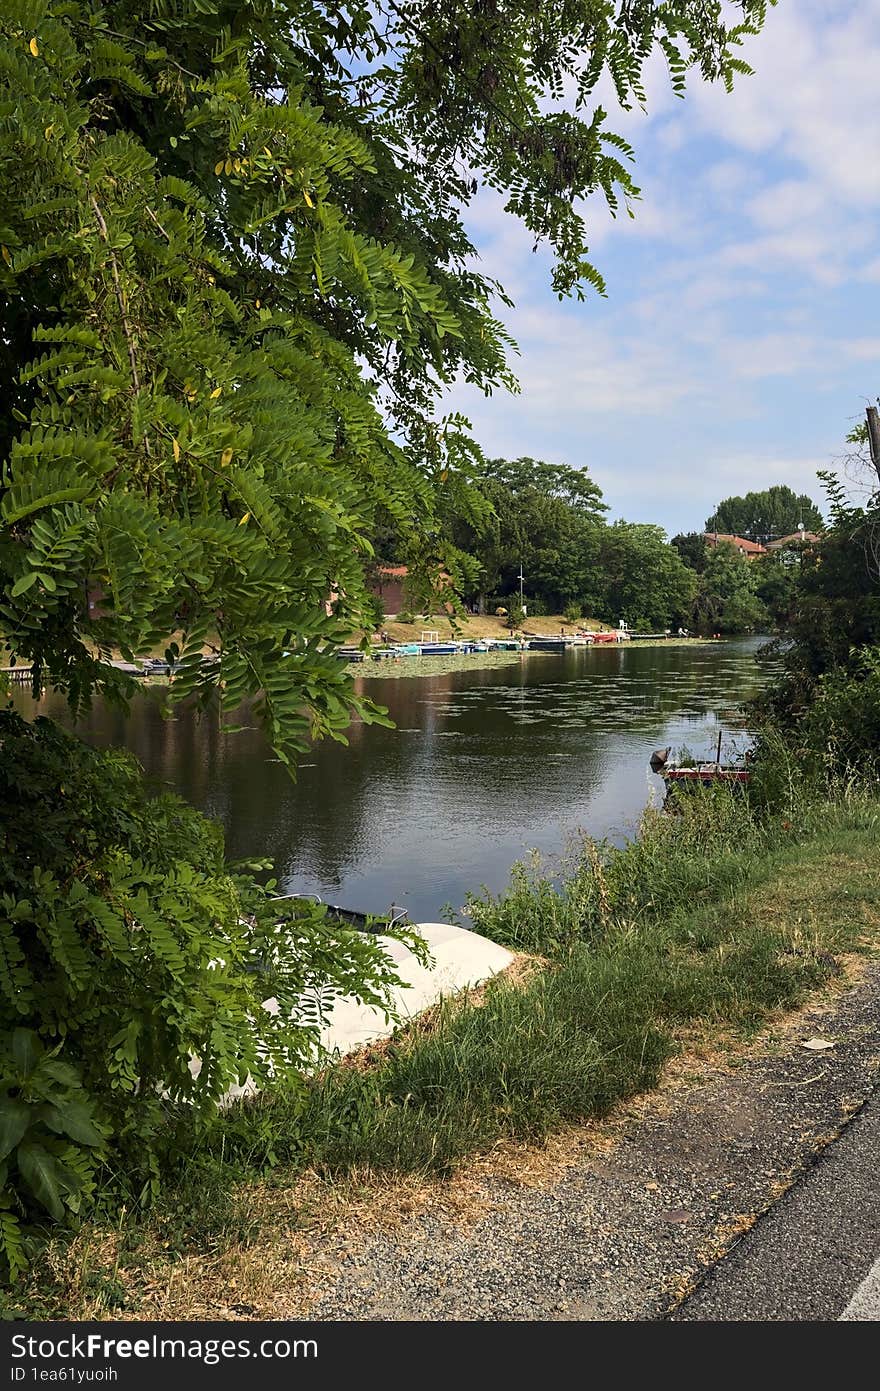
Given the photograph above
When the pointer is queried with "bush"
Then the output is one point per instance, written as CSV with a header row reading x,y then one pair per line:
x,y
573,612
129,948
375,610
406,617
834,743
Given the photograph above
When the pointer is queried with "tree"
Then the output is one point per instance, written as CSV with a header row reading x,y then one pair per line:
x,y
825,703
645,579
726,599
572,486
836,614
765,516
776,577
230,233
234,283
692,548
545,517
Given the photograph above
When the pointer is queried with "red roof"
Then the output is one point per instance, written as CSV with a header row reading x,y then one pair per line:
x,y
796,538
741,543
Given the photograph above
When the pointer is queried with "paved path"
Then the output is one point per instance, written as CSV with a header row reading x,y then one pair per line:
x,y
814,1255
624,1234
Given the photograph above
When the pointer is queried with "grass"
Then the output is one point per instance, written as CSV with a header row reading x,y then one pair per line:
x,y
712,921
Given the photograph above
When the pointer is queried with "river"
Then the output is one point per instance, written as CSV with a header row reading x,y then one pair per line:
x,y
483,766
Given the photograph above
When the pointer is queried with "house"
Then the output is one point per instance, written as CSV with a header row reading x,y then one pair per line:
x,y
388,584
750,549
797,538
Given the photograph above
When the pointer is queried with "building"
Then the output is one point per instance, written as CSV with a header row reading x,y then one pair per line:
x,y
388,585
750,549
797,538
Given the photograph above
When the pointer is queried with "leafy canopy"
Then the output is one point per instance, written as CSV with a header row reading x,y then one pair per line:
x,y
234,277
129,946
766,516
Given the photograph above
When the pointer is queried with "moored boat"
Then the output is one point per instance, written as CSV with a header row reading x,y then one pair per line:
x,y
704,774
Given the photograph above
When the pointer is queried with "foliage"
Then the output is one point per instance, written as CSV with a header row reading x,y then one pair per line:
x,y
375,611
516,617
644,579
776,581
542,517
836,613
50,1143
766,516
547,519
726,599
692,548
128,948
684,924
840,727
234,282
820,721
234,278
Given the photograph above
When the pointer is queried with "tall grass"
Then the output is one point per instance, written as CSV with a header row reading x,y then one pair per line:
x,y
716,842
636,943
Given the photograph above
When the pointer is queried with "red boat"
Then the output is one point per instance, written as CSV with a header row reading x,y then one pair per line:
x,y
705,774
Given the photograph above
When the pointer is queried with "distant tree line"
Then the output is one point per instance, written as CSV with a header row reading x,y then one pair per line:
x,y
548,521
765,516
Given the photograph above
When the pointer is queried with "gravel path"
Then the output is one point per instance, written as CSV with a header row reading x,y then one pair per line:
x,y
625,1235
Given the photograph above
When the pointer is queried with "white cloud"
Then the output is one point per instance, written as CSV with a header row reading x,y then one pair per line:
x,y
738,336
811,97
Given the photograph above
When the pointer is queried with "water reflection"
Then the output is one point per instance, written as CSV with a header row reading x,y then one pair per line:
x,y
482,766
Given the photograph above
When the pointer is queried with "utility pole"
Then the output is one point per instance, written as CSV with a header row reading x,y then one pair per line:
x,y
874,436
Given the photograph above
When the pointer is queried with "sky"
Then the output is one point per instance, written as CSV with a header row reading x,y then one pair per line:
x,y
740,338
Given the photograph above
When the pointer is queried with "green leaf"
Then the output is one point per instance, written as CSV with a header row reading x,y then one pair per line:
x,y
23,583
74,1119
60,1072
26,1051
40,1173
15,1120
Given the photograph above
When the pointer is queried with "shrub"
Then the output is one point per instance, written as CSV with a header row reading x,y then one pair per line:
x,y
573,612
129,948
406,617
375,610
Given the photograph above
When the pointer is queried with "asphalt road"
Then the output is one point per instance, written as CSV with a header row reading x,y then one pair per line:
x,y
815,1255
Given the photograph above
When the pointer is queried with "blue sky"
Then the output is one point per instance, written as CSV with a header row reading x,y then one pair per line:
x,y
740,339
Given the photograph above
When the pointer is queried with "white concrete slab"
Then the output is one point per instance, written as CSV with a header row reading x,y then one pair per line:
x,y
461,959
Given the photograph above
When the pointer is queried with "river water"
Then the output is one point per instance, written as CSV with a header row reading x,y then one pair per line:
x,y
483,766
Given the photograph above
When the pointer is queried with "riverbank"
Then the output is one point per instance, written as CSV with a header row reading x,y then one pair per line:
x,y
391,667
651,960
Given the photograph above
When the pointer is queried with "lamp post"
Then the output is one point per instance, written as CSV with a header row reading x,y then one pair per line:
x,y
521,578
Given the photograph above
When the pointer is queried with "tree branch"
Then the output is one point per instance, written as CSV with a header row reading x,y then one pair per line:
x,y
120,299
